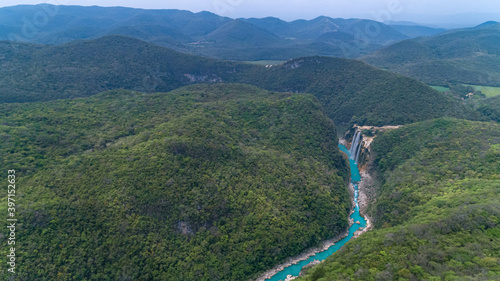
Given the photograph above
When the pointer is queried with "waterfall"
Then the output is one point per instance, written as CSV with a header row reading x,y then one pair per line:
x,y
355,146
360,147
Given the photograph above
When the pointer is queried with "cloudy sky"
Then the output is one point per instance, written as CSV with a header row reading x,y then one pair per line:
x,y
422,11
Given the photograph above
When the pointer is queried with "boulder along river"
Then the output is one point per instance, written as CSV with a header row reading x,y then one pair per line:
x,y
293,267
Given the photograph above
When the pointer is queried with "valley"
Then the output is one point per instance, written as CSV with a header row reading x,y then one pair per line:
x,y
434,215
165,144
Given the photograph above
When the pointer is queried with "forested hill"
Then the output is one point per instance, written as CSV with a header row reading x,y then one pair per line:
x,y
470,56
353,92
204,183
350,91
437,209
87,67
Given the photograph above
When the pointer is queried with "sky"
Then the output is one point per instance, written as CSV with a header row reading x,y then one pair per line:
x,y
438,12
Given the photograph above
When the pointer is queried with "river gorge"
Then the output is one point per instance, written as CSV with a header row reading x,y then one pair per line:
x,y
358,225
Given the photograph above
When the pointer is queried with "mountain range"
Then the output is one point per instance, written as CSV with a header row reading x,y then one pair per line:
x,y
467,56
203,33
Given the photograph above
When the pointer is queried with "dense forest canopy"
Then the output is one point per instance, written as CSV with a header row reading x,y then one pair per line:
x,y
204,183
437,207
349,91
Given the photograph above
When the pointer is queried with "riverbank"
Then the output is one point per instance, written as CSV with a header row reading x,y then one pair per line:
x,y
309,253
366,191
364,198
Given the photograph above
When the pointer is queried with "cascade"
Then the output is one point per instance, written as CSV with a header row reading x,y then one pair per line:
x,y
355,146
360,147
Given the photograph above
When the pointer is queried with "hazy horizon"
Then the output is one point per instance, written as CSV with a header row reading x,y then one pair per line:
x,y
445,13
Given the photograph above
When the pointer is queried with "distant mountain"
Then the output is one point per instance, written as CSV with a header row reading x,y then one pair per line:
x,y
277,26
201,33
488,24
341,37
241,34
350,91
470,56
413,31
171,28
312,29
401,22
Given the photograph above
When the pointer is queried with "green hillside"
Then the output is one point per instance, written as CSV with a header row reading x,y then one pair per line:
x,y
349,91
88,67
490,107
466,56
353,92
202,183
437,210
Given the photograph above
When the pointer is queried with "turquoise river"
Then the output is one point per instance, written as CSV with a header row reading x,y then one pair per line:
x,y
294,270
